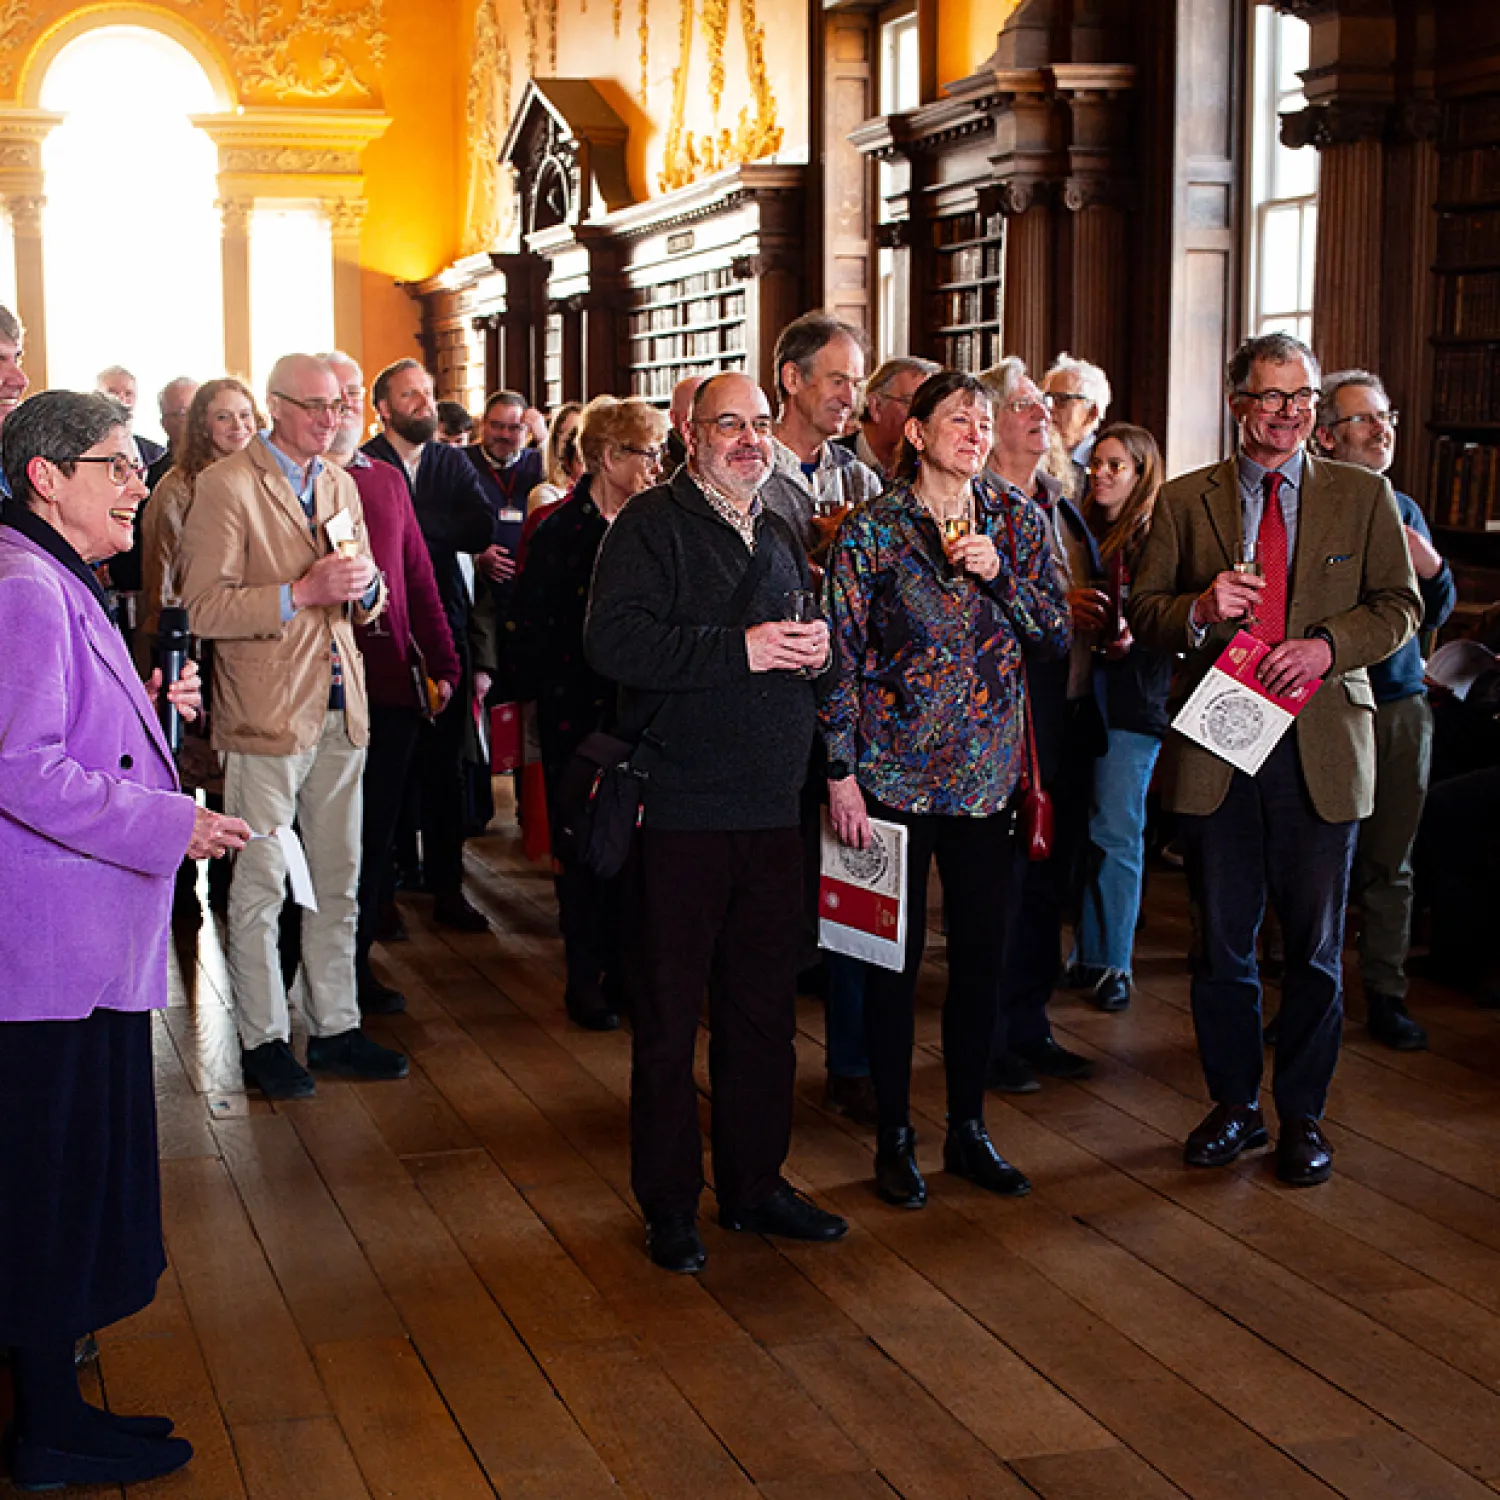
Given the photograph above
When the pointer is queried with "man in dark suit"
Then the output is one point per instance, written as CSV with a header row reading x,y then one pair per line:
x,y
456,523
1335,593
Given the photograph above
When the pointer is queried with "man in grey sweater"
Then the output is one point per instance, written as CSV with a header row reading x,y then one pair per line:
x,y
689,614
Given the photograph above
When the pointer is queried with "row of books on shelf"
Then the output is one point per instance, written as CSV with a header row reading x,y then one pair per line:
x,y
685,314
689,286
707,344
1469,238
657,384
973,263
956,228
972,352
1466,385
1464,485
1469,304
1464,176
972,305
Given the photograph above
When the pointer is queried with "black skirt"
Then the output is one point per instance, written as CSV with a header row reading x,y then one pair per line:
x,y
80,1190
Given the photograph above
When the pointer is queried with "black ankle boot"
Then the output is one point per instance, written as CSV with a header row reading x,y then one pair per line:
x,y
969,1153
897,1179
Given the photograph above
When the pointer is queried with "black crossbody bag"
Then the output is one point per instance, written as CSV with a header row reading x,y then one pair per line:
x,y
603,785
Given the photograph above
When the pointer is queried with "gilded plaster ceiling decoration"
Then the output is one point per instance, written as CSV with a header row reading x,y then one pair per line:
x,y
690,156
490,210
15,28
301,48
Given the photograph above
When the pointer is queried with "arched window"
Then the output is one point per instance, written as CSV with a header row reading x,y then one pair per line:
x,y
132,235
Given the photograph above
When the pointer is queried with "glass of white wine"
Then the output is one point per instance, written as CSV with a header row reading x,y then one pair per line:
x,y
1247,563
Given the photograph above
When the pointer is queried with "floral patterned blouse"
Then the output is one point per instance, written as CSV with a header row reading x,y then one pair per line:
x,y
925,708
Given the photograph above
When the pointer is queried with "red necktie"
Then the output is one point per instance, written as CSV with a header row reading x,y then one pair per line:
x,y
1270,613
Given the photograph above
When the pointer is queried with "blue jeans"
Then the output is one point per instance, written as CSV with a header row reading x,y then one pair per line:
x,y
1117,831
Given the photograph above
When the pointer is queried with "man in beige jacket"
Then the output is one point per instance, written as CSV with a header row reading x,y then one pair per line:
x,y
276,569
1333,594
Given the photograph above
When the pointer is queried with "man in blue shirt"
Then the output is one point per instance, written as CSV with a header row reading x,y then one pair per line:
x,y
1357,426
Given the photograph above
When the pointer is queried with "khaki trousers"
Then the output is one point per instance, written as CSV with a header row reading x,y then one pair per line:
x,y
319,790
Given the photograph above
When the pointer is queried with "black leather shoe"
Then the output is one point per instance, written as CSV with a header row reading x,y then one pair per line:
x,y
854,1098
1009,1074
788,1213
969,1153
674,1244
1112,993
454,909
1389,1024
1081,976
119,1459
351,1054
897,1179
590,1010
377,999
1228,1130
1302,1155
1054,1061
274,1070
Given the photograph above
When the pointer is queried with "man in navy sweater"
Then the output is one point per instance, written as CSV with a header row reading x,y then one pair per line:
x,y
1357,426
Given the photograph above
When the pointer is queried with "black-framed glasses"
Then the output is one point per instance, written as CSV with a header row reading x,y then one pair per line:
x,y
1274,400
651,455
315,407
121,469
732,426
1391,419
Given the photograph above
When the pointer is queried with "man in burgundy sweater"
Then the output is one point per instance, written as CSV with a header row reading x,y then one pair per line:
x,y
395,673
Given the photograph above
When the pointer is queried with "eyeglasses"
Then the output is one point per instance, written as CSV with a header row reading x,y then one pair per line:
x,y
732,426
316,408
1273,400
121,469
651,455
1110,466
1053,399
1391,419
1021,408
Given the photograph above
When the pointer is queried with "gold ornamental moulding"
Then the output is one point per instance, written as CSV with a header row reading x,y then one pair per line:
x,y
292,153
272,50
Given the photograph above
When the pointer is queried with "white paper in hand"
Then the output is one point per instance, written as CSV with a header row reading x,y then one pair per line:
x,y
862,896
339,529
296,868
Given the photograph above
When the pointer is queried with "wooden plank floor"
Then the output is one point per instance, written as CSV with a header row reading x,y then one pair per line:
x,y
435,1290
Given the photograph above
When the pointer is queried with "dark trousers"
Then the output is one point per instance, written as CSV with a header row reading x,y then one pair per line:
x,y
1265,840
440,773
588,911
714,913
393,742
1045,891
974,858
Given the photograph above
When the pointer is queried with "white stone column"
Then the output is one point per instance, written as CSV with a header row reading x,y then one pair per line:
x,y
235,215
25,210
346,216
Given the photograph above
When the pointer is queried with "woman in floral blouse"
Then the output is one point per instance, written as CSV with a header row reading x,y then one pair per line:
x,y
934,588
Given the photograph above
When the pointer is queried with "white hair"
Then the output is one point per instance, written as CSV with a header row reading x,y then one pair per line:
x,y
1003,378
1092,381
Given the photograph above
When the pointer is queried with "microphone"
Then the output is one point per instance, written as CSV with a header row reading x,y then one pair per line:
x,y
172,642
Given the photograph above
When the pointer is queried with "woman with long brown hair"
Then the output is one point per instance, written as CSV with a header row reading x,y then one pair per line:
x,y
1125,477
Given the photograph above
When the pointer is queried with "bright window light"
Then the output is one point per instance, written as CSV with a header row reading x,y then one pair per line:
x,y
7,263
130,230
291,285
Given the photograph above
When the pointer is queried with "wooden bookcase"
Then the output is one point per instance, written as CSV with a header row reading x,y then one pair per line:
x,y
690,325
967,297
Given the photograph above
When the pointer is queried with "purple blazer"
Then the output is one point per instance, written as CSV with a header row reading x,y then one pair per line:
x,y
92,824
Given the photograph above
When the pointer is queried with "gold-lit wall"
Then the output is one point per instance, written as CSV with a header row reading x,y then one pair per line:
x,y
966,34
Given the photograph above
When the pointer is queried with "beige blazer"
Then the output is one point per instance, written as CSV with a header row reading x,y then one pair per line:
x,y
162,518
1351,576
246,535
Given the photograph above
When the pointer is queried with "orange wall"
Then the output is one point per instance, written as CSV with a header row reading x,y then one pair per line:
x,y
966,35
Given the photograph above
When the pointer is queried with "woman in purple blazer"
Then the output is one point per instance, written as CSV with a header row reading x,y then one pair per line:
x,y
92,829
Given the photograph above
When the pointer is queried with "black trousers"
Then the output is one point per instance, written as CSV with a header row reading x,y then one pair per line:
x,y
975,857
717,914
393,742
588,910
1265,840
444,794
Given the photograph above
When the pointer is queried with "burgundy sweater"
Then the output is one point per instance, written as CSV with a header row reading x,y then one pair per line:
x,y
413,610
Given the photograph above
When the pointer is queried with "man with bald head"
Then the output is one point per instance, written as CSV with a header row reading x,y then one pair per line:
x,y
680,415
277,572
689,614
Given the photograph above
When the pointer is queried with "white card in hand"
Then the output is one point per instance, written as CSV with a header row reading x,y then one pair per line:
x,y
296,868
339,529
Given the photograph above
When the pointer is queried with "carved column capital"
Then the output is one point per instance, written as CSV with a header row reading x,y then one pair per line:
x,y
345,216
1341,122
234,215
1018,195
25,210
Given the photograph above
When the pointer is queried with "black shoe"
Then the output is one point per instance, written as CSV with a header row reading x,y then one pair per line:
x,y
1009,1074
1270,1033
1228,1130
1054,1061
1081,977
897,1179
377,999
351,1054
1302,1155
1389,1024
390,926
453,909
674,1244
788,1213
1112,993
854,1098
969,1153
274,1070
120,1459
590,1010
85,1351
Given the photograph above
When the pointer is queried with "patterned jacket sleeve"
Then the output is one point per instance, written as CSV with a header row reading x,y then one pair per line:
x,y
1031,593
846,591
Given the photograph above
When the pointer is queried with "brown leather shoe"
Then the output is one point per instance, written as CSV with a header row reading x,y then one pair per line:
x,y
1303,1158
1228,1130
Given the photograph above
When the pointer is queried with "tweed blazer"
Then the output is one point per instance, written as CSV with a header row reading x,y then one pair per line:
x,y
245,536
1351,576
92,824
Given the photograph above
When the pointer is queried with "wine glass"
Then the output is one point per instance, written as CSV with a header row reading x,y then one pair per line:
x,y
1247,563
799,606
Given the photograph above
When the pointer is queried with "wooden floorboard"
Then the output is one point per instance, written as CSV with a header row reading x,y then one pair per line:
x,y
436,1289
